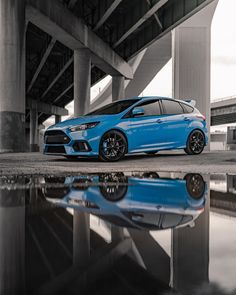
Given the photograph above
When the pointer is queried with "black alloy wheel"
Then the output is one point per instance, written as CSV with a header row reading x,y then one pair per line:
x,y
195,185
113,186
113,146
195,143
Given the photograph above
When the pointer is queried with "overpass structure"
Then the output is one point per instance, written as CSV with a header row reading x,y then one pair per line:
x,y
53,51
223,111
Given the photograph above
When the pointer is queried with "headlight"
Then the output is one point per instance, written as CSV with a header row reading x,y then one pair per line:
x,y
83,126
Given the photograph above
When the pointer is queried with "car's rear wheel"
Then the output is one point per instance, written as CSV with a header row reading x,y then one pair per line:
x,y
113,146
195,143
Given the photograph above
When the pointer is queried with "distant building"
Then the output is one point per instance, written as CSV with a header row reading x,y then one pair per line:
x,y
231,137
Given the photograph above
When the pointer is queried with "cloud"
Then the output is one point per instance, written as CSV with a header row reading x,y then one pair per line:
x,y
225,60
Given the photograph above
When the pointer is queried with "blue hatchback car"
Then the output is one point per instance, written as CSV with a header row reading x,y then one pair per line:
x,y
136,125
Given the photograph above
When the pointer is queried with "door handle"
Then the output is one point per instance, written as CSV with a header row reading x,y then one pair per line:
x,y
159,121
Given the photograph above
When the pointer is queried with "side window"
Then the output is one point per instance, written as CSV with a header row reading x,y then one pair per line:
x,y
172,107
187,108
151,108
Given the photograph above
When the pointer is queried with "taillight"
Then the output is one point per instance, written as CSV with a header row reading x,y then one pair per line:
x,y
201,117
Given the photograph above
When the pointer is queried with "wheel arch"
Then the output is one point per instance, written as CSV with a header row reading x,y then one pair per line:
x,y
119,130
196,129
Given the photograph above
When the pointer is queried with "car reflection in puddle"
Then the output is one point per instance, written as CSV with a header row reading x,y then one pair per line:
x,y
110,233
145,201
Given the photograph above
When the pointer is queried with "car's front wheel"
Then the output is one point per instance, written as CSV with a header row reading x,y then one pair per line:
x,y
196,143
113,146
195,185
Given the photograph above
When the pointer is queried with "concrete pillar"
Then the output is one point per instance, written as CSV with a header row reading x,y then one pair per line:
x,y
117,234
82,81
81,238
191,58
57,119
190,253
34,136
12,242
12,75
118,88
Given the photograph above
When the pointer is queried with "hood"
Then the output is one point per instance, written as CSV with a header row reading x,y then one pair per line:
x,y
80,120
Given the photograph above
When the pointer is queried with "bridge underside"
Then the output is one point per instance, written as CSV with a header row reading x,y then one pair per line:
x,y
112,32
223,111
223,119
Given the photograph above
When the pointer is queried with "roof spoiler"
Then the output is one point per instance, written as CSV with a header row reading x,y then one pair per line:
x,y
192,102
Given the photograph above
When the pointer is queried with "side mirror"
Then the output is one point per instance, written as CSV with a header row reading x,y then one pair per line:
x,y
137,112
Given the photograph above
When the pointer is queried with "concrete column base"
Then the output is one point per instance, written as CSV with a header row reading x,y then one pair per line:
x,y
12,132
34,148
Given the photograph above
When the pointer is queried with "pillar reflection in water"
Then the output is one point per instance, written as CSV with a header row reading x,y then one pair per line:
x,y
81,238
190,253
12,242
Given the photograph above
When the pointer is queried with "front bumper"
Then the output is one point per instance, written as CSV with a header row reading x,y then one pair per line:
x,y
64,143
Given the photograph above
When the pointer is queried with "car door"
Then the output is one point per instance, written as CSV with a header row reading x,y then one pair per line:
x,y
144,131
175,123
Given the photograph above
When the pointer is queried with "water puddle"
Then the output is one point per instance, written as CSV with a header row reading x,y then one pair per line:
x,y
118,233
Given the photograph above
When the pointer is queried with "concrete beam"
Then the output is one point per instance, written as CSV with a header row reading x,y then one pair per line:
x,y
146,16
223,103
64,92
107,14
155,15
46,108
227,110
53,18
41,64
66,66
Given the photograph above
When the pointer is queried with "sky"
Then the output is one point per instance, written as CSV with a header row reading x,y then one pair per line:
x,y
223,59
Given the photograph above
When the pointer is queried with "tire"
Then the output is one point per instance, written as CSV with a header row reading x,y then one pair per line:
x,y
151,152
152,175
113,146
113,186
195,143
195,185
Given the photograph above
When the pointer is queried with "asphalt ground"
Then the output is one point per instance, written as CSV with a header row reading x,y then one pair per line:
x,y
39,164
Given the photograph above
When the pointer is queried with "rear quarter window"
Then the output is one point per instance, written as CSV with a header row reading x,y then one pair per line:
x,y
172,107
187,108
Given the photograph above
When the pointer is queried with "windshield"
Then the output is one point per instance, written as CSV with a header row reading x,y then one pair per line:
x,y
114,108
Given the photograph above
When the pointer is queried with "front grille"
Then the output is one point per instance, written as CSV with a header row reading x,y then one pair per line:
x,y
54,132
56,149
56,137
